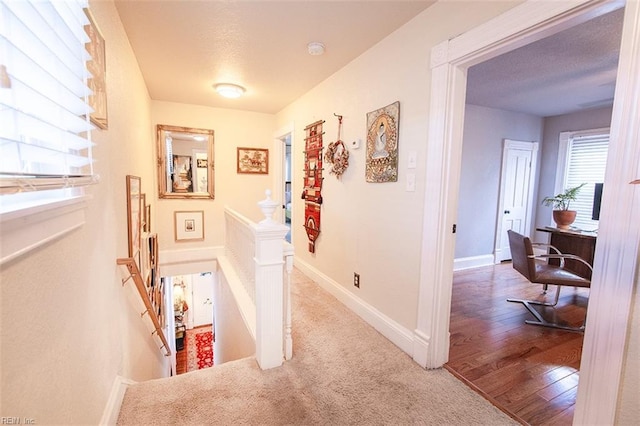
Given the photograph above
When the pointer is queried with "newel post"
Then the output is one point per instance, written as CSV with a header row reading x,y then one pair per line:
x,y
269,278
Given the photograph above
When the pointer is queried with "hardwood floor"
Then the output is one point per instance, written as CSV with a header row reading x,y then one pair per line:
x,y
181,360
530,372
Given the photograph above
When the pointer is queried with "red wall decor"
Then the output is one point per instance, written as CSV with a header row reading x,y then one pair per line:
x,y
313,181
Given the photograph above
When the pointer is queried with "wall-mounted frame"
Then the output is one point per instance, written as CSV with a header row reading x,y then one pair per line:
x,y
134,216
382,144
147,217
143,212
97,66
189,225
185,162
253,161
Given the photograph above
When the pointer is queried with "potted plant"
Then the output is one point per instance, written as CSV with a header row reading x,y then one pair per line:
x,y
562,216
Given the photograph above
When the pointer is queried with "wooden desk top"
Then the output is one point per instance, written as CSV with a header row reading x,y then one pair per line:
x,y
571,232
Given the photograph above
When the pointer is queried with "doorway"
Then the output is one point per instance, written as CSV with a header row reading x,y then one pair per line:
x,y
287,174
519,159
192,326
602,363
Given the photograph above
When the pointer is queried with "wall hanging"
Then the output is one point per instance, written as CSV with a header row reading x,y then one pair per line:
x,y
312,182
382,144
337,154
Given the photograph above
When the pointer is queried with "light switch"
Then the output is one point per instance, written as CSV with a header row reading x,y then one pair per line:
x,y
411,182
413,160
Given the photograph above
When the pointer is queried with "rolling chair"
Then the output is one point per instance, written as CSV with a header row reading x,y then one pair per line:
x,y
524,261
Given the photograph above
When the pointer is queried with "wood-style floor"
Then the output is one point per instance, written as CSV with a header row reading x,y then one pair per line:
x,y
181,359
528,371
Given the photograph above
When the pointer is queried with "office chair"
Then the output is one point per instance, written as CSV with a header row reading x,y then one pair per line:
x,y
524,261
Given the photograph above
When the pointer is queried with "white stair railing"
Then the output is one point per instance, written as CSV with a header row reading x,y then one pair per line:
x,y
256,251
288,262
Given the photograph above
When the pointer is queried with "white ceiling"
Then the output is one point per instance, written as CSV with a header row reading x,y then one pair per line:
x,y
184,47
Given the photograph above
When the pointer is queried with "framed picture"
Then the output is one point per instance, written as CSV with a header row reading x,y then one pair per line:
x,y
253,161
147,217
134,217
143,212
382,144
97,66
189,226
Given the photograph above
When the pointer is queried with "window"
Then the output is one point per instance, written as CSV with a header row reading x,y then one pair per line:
x,y
585,159
45,136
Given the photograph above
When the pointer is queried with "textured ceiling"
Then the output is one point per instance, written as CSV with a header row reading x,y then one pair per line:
x,y
569,71
183,47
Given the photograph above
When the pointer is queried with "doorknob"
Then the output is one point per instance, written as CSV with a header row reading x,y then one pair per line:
x,y
507,212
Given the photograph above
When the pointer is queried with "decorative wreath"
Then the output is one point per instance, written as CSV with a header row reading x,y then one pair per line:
x,y
338,156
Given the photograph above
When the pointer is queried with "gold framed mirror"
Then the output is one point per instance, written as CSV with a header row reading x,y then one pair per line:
x,y
185,162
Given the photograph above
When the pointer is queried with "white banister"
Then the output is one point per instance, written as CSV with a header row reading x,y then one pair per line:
x,y
269,262
256,252
288,340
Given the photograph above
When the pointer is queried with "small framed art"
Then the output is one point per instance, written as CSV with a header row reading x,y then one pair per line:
x,y
253,161
134,216
97,66
189,226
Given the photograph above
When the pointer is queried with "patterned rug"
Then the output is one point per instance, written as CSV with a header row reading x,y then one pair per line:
x,y
199,348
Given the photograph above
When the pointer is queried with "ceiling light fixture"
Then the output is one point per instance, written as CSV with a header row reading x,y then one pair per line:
x,y
229,90
315,48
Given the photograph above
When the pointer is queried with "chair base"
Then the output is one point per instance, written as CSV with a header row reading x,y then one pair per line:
x,y
540,320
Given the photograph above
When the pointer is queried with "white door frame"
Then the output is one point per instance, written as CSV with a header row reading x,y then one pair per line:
x,y
616,258
278,167
525,146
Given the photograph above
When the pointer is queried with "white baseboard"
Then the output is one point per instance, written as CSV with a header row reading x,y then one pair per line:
x,y
397,334
473,262
112,409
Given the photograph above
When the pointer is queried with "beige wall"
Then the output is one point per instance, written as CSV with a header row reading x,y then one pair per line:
x,y
375,228
68,326
241,192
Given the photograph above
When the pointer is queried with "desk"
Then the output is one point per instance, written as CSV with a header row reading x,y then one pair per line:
x,y
581,244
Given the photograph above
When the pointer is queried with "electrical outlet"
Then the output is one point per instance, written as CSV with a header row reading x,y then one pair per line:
x,y
356,279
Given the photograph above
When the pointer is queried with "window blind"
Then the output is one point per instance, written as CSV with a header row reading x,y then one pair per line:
x,y
45,136
586,163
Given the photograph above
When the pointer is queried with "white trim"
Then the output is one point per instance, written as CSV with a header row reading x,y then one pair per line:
x,y
563,158
473,262
616,256
615,266
396,333
114,403
278,175
189,261
28,229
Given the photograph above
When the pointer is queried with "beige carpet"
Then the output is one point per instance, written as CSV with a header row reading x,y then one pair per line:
x,y
343,372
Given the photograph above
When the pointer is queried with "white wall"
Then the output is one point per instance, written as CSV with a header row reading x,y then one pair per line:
x,y
375,228
484,132
548,156
68,325
233,339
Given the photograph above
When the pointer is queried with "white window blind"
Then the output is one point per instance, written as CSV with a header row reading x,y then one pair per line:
x,y
586,163
45,138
